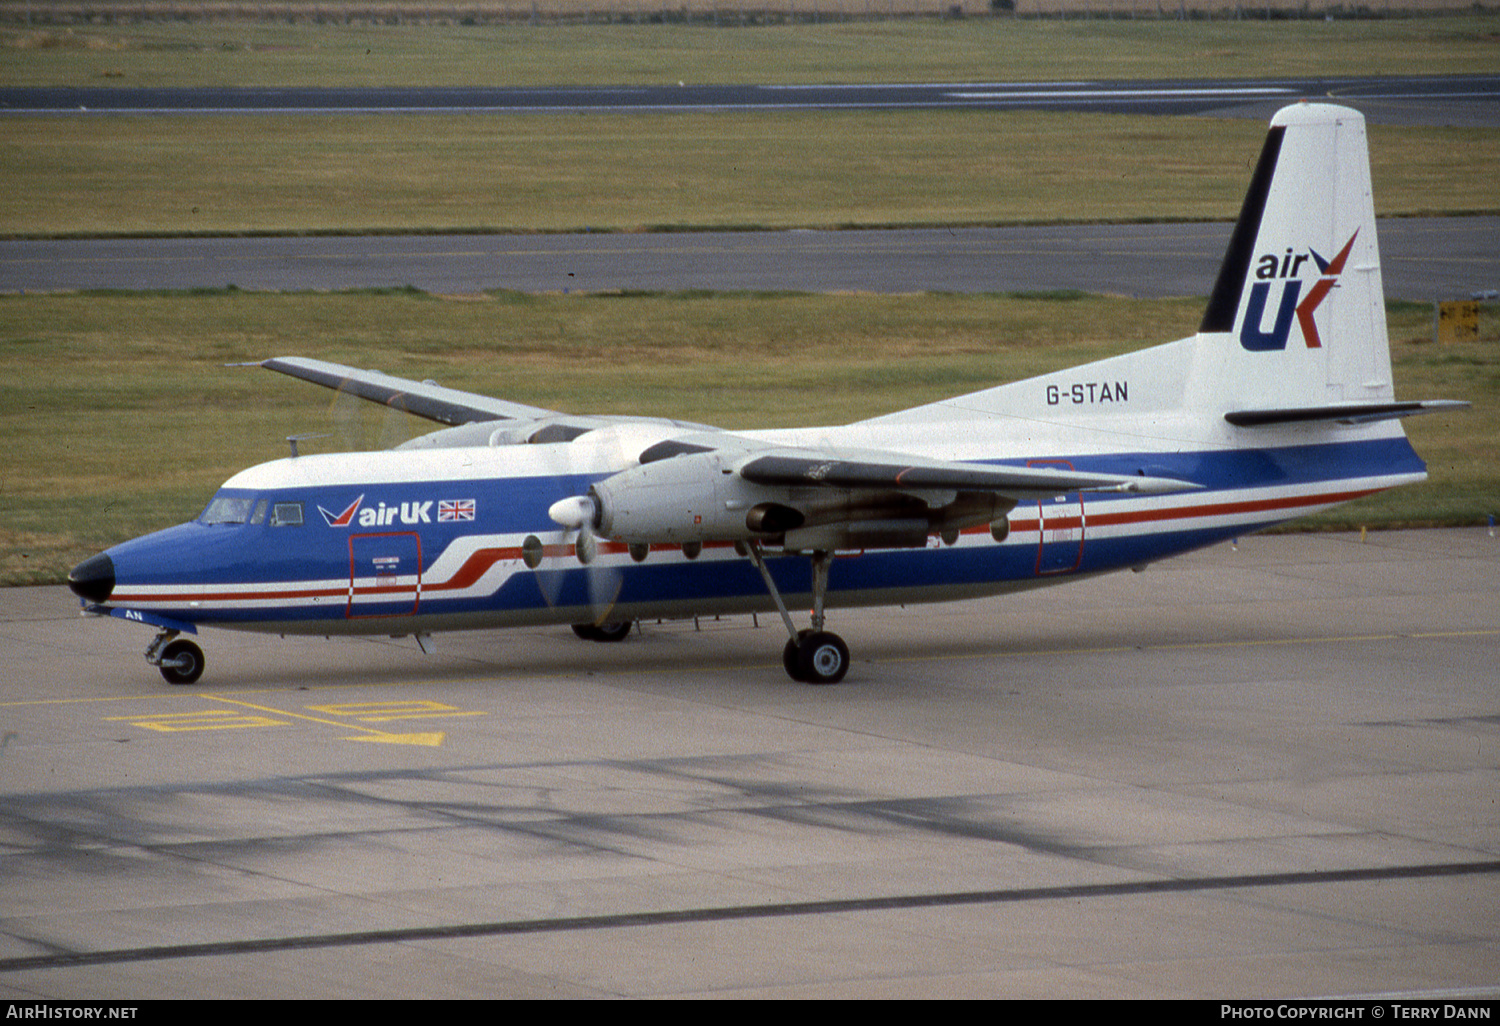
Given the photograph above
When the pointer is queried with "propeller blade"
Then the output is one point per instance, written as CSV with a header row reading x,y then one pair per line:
x,y
587,545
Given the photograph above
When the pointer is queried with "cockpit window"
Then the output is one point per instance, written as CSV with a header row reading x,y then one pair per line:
x,y
286,514
226,509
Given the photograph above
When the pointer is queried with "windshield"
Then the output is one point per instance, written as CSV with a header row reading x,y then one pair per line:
x,y
227,509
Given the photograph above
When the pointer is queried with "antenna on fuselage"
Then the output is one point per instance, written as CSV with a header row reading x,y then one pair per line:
x,y
292,440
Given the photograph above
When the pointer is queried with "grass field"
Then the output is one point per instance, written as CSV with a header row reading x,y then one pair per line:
x,y
682,171
120,417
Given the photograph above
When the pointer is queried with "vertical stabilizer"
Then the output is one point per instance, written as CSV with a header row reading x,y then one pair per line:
x,y
1297,316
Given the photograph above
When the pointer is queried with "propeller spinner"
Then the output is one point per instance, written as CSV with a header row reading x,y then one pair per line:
x,y
578,513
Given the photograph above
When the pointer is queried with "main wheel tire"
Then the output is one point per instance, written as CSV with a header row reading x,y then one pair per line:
x,y
791,656
789,659
613,631
822,658
618,631
182,663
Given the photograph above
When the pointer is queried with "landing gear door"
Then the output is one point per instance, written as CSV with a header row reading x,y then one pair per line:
x,y
385,574
1061,521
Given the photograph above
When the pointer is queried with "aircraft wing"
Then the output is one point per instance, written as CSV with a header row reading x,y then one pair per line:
x,y
420,398
892,472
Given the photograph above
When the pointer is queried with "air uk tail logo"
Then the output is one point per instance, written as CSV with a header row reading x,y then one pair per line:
x,y
1286,270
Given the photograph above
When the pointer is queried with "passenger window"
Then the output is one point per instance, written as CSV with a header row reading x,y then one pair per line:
x,y
286,514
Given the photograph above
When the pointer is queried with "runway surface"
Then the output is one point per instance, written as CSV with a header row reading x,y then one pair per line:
x,y
1460,100
1260,771
1422,259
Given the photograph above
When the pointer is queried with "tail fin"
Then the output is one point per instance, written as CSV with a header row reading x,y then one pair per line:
x,y
1299,294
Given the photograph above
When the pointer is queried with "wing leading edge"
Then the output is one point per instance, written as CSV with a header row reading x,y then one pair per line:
x,y
422,399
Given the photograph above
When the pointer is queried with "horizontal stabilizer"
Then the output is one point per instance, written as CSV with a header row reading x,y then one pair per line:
x,y
1344,413
1017,482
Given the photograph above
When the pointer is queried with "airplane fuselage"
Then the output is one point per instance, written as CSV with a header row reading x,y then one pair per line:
x,y
409,542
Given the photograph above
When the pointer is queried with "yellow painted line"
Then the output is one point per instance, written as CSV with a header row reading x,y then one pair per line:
x,y
371,734
208,719
383,712
432,740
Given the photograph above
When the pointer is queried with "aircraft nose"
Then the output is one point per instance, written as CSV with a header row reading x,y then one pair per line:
x,y
94,578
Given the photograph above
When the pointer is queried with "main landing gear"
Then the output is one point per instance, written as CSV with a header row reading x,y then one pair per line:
x,y
811,656
180,662
617,631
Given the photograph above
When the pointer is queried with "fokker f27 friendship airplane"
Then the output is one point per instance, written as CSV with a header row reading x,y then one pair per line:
x,y
1282,404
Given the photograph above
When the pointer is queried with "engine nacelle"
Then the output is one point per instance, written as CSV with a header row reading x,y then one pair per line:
x,y
690,498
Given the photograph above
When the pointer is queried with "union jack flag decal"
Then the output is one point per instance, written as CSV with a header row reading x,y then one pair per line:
x,y
455,509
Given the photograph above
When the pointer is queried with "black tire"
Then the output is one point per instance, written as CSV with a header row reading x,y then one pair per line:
x,y
182,663
822,658
614,631
618,631
791,656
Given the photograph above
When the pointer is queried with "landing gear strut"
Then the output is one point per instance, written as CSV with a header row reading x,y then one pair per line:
x,y
180,662
812,656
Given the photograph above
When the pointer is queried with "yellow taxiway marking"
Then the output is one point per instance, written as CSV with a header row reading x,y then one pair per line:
x,y
384,712
266,716
207,719
430,739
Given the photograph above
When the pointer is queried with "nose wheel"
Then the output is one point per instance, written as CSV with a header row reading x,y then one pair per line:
x,y
180,661
812,656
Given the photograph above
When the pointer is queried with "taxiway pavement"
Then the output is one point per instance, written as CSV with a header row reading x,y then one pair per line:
x,y
1423,259
1259,771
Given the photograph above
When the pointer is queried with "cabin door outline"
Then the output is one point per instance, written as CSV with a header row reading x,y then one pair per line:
x,y
1062,526
385,574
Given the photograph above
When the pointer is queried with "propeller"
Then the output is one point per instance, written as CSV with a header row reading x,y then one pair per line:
x,y
577,516
360,427
577,513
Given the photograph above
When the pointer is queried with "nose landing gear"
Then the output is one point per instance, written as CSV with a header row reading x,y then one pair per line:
x,y
180,662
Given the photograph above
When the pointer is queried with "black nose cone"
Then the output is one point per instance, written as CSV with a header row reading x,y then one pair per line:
x,y
94,578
